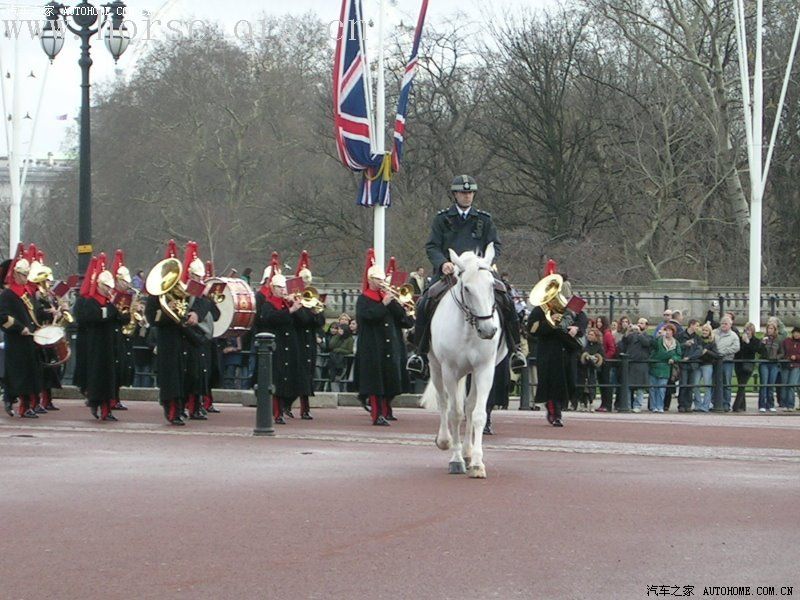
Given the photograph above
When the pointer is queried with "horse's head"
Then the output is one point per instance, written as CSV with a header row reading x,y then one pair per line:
x,y
476,283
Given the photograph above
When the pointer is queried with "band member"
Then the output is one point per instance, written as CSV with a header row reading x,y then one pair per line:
x,y
171,354
461,228
553,360
198,347
100,319
8,402
51,311
128,306
213,352
381,320
277,314
23,371
79,371
310,322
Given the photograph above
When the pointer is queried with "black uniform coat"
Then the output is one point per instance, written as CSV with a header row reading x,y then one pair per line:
x,y
51,376
171,353
288,375
449,230
309,325
23,370
99,328
198,365
552,359
123,355
79,372
380,347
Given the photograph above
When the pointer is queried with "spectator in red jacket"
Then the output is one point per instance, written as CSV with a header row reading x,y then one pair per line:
x,y
790,373
607,374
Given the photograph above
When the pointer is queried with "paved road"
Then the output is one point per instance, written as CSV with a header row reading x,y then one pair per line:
x,y
336,508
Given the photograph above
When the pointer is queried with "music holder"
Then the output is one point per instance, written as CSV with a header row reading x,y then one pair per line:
x,y
295,285
61,289
399,278
195,288
576,304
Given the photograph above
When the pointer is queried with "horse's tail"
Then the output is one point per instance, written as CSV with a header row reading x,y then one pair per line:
x,y
430,398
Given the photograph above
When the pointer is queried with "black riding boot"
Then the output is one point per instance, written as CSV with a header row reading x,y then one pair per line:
x,y
418,362
517,360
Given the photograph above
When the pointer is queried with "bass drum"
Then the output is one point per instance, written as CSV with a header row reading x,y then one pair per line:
x,y
52,339
236,303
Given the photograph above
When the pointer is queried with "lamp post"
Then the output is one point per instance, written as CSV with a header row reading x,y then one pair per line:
x,y
116,36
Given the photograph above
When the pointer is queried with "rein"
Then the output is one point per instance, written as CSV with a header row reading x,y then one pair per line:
x,y
469,316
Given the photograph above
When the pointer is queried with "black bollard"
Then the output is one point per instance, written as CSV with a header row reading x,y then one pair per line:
x,y
719,384
265,345
525,387
624,399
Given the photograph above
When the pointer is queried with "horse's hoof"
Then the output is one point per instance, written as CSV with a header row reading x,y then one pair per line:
x,y
467,460
458,468
477,472
442,444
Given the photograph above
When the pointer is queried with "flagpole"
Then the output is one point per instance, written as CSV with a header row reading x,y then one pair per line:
x,y
15,213
756,188
379,212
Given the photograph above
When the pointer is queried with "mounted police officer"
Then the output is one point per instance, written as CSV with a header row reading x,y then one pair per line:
x,y
463,228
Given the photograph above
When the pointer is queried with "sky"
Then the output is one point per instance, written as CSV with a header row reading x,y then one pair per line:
x,y
53,90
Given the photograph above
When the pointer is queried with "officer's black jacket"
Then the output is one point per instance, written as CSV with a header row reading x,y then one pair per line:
x,y
449,230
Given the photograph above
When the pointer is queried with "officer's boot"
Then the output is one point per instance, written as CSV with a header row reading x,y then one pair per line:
x,y
418,363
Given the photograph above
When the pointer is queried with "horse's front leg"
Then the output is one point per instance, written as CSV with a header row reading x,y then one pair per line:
x,y
455,415
443,439
468,437
482,385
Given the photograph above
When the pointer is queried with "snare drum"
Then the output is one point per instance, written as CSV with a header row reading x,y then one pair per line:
x,y
236,303
52,339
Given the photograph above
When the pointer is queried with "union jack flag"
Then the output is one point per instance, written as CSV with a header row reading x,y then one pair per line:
x,y
354,127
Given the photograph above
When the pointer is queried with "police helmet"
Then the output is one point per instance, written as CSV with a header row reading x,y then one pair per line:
x,y
463,183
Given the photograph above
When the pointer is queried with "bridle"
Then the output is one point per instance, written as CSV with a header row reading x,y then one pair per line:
x,y
469,316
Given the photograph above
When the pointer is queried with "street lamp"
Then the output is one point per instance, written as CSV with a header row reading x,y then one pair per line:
x,y
117,38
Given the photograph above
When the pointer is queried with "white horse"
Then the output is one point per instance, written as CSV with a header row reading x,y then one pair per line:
x,y
466,338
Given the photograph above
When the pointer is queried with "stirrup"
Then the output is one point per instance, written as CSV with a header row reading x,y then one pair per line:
x,y
517,362
416,364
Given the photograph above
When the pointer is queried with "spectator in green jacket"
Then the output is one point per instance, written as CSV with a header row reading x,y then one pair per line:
x,y
666,352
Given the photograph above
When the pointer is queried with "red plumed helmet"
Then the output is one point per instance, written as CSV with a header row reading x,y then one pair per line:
x,y
32,254
19,255
550,269
172,250
87,278
119,261
209,269
391,267
99,267
188,258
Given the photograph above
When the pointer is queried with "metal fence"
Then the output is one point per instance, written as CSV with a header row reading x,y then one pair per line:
x,y
624,389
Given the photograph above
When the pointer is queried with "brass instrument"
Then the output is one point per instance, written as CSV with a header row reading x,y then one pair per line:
x,y
547,294
403,294
42,278
310,299
164,281
135,311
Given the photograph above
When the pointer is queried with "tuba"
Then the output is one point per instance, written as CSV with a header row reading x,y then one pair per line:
x,y
548,295
164,281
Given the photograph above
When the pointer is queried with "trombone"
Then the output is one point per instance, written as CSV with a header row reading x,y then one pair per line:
x,y
404,296
310,299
